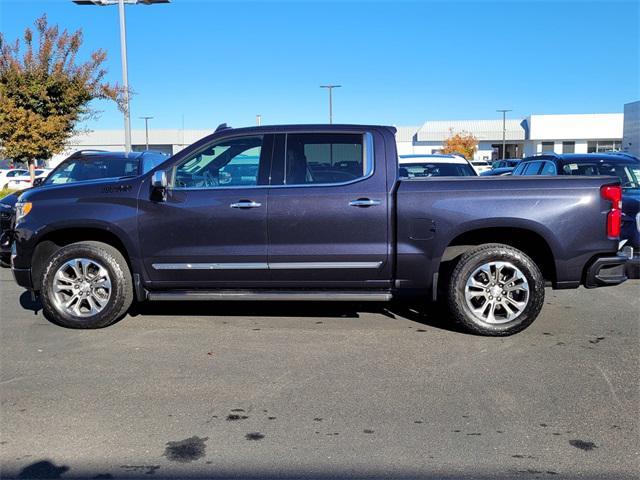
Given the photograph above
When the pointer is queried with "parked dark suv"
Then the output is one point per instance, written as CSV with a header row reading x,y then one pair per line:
x,y
616,164
81,166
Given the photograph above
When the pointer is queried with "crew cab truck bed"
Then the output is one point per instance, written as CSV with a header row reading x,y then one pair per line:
x,y
314,212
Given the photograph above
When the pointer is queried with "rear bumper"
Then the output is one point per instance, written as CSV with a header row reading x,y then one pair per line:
x,y
633,263
607,271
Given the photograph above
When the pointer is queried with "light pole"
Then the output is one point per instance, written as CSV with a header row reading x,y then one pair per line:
x,y
330,88
146,129
504,132
123,54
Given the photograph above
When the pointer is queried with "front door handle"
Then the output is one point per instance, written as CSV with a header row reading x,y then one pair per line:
x,y
364,202
246,204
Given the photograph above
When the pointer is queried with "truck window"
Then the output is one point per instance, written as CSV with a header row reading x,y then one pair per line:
x,y
548,168
324,158
232,162
532,168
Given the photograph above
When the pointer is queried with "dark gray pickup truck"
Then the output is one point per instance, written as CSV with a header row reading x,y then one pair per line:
x,y
313,212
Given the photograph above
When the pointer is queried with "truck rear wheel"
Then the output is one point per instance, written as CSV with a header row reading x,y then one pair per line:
x,y
86,285
495,290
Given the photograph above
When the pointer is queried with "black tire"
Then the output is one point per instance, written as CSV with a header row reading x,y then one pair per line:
x,y
119,300
483,255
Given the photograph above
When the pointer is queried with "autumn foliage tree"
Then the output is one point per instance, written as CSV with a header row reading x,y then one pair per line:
x,y
463,143
45,91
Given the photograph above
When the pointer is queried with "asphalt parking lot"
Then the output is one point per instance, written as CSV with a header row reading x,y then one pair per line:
x,y
321,391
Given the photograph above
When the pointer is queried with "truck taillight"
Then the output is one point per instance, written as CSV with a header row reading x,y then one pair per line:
x,y
613,193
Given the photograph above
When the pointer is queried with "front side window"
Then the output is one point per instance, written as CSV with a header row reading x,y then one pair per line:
x,y
519,169
320,158
233,162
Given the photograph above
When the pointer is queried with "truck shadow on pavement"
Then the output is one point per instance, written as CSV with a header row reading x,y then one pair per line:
x,y
431,315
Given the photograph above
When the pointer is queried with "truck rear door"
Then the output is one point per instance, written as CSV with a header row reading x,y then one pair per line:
x,y
328,211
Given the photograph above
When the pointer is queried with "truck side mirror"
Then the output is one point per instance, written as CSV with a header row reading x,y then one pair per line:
x,y
159,186
38,181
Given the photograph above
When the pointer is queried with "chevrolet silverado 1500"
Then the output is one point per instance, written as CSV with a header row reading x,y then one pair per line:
x,y
314,212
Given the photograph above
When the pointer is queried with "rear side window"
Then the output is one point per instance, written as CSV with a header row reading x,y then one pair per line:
x,y
325,158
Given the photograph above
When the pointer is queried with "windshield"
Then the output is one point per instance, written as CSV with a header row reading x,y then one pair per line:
x,y
417,170
93,168
628,173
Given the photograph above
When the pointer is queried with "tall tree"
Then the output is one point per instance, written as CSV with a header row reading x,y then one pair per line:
x,y
463,143
45,91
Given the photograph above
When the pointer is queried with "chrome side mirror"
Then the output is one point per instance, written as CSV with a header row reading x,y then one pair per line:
x,y
159,179
159,186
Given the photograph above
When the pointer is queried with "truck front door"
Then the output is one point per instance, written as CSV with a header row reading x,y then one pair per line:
x,y
212,229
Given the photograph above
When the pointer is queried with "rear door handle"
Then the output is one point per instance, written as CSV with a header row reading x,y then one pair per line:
x,y
245,204
364,202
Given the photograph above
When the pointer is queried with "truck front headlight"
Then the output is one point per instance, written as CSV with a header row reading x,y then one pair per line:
x,y
22,210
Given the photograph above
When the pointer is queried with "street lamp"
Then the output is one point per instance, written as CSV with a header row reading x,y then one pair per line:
x,y
330,88
146,129
123,54
504,131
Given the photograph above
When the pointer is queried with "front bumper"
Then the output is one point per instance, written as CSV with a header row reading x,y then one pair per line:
x,y
607,271
22,276
5,243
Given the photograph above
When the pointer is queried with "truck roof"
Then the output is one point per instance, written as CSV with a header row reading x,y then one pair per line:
x,y
302,127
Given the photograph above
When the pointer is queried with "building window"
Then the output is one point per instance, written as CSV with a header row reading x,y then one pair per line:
x,y
597,146
547,146
568,147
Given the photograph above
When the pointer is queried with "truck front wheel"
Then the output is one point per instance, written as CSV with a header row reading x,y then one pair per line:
x,y
495,290
86,285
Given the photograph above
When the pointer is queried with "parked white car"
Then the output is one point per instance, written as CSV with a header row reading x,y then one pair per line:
x,y
9,174
22,181
480,166
416,165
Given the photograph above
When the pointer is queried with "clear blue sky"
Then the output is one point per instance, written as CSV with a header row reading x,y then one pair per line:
x,y
399,62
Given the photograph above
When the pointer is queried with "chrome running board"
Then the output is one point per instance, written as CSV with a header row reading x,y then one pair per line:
x,y
269,296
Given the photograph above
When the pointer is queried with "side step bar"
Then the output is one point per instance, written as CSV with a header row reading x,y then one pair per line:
x,y
269,296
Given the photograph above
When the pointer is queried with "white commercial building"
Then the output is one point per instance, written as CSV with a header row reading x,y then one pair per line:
x,y
631,129
166,141
581,133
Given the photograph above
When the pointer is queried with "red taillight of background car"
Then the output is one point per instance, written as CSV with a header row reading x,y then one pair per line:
x,y
613,193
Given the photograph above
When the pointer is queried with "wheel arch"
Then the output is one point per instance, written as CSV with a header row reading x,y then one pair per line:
x,y
55,239
529,241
